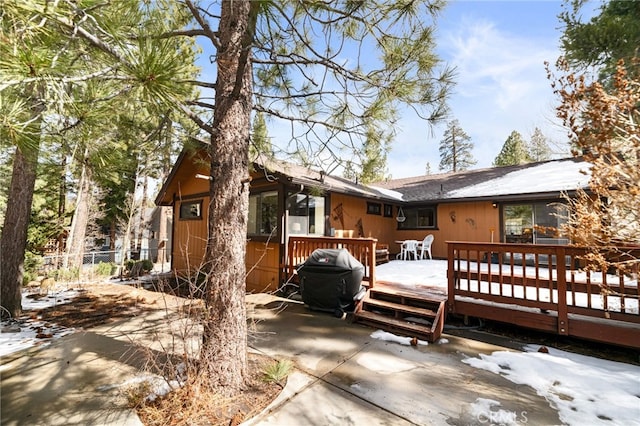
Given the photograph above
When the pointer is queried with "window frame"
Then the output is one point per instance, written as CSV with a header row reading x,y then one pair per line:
x,y
190,204
307,221
374,208
412,223
258,217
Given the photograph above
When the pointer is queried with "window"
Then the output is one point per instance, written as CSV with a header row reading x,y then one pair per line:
x,y
418,218
388,210
263,213
191,210
374,208
533,223
306,214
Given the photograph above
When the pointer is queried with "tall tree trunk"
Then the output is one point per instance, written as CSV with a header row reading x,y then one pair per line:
x,y
223,359
78,231
14,232
13,240
141,217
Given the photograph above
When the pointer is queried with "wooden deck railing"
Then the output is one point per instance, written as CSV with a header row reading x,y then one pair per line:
x,y
544,287
363,249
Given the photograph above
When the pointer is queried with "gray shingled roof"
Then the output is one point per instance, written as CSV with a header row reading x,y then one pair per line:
x,y
534,180
312,178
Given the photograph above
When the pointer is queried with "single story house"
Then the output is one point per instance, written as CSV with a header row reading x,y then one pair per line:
x,y
504,204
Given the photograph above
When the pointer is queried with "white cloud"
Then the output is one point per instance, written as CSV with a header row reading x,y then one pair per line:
x,y
501,87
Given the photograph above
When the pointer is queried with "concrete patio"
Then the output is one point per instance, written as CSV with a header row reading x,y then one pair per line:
x,y
342,375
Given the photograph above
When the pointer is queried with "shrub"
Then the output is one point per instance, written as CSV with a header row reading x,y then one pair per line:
x,y
104,268
32,264
277,371
147,265
66,274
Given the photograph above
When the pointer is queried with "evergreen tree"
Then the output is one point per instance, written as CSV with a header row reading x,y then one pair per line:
x,y
608,37
455,149
427,169
514,151
286,60
260,140
57,57
372,165
538,148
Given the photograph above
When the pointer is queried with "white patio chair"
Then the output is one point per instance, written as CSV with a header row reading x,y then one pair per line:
x,y
409,247
426,246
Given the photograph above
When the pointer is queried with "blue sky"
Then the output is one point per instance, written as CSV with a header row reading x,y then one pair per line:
x,y
498,49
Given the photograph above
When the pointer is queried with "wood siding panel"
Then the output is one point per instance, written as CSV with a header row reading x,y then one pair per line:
x,y
189,240
354,209
262,263
455,222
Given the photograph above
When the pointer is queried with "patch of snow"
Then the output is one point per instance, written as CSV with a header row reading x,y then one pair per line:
x,y
546,177
26,332
390,337
584,390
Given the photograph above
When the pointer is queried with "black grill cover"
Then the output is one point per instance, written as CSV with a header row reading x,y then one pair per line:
x,y
330,280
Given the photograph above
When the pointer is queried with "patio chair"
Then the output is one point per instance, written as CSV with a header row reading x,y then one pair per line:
x,y
409,247
426,246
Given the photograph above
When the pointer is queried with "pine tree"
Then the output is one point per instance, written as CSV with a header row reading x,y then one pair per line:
x,y
538,148
260,141
58,58
455,149
606,38
514,151
266,59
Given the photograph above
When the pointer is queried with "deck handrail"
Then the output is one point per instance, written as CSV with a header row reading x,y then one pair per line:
x,y
549,284
363,249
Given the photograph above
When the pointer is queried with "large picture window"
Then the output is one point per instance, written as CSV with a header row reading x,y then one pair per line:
x,y
419,218
306,214
536,223
263,214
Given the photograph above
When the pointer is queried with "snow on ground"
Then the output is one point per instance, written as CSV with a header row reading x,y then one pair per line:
x,y
27,332
584,390
414,272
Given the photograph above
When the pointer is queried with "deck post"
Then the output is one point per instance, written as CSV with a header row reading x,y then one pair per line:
x,y
372,263
563,316
451,294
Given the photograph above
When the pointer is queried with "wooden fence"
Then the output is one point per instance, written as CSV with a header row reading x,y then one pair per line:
x,y
363,249
545,287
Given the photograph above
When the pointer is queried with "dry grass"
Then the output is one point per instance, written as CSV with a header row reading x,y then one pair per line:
x,y
195,404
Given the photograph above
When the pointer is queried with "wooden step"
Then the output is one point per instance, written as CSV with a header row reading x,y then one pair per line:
x,y
389,309
404,294
411,310
392,324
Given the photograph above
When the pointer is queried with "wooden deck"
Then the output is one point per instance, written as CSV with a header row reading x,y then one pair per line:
x,y
546,288
519,284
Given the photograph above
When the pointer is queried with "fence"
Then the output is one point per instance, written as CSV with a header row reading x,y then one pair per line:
x,y
94,258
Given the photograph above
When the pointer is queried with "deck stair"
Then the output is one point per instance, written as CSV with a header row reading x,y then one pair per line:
x,y
403,312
